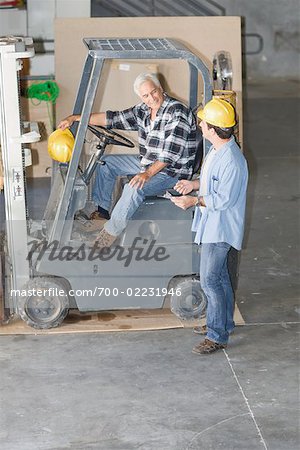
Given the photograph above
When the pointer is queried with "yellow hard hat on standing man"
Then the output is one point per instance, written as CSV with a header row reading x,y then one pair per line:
x,y
219,113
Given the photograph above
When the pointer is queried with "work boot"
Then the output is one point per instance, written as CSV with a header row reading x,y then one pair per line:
x,y
95,225
100,213
95,222
104,239
85,225
206,347
200,330
96,215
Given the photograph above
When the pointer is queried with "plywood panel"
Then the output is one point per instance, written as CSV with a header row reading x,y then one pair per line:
x,y
203,35
105,321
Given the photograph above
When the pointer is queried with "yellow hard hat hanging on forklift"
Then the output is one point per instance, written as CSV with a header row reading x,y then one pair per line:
x,y
218,112
60,145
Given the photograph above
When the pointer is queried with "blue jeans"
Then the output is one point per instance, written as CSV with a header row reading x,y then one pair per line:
x,y
215,282
131,198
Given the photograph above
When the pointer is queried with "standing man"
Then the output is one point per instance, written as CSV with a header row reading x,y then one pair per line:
x,y
167,146
219,218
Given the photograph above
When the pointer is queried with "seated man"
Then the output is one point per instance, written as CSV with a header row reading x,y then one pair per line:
x,y
167,146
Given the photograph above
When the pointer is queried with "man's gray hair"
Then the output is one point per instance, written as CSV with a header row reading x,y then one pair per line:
x,y
140,79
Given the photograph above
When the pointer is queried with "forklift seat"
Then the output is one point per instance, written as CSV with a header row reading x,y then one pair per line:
x,y
199,153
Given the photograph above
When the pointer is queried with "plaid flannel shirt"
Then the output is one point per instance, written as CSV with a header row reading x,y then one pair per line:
x,y
171,139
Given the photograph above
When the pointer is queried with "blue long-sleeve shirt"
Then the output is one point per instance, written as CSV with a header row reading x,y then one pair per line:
x,y
222,220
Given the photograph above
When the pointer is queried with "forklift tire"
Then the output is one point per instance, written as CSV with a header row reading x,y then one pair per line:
x,y
46,303
188,301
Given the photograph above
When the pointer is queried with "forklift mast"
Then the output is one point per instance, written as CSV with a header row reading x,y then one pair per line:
x,y
14,134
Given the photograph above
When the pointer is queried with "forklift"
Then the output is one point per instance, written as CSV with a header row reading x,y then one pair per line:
x,y
52,266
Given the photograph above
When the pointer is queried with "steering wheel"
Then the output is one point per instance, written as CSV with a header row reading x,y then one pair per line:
x,y
109,136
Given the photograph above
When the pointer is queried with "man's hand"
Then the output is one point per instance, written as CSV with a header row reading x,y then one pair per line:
x,y
184,187
67,122
95,119
185,201
139,180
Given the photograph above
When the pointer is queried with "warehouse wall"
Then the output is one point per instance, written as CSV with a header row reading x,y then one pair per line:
x,y
274,23
278,22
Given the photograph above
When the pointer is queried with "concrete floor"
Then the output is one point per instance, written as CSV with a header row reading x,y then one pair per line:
x,y
146,390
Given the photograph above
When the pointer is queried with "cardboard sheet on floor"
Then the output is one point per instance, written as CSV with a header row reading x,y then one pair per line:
x,y
105,321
